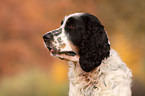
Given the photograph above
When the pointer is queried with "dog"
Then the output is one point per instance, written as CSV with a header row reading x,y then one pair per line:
x,y
95,69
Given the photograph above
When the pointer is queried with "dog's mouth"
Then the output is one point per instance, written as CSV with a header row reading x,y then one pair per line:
x,y
55,51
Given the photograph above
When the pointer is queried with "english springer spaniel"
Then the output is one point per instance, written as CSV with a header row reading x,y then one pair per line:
x,y
95,69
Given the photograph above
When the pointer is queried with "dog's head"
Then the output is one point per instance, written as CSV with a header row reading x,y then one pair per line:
x,y
81,37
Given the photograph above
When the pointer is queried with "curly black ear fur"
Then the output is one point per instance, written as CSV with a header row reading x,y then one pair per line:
x,y
94,45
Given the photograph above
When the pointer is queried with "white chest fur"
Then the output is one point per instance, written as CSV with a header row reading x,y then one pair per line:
x,y
111,78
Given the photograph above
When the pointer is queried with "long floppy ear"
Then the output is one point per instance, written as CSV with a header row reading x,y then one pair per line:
x,y
94,45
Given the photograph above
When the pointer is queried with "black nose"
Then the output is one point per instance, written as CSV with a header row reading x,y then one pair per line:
x,y
47,37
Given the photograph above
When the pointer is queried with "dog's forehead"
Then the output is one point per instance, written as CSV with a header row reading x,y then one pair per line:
x,y
75,15
71,15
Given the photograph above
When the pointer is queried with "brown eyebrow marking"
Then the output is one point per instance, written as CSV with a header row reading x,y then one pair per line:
x,y
71,26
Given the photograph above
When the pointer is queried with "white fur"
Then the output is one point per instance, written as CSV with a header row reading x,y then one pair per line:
x,y
111,78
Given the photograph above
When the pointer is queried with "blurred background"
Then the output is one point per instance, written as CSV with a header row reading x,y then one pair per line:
x,y
26,67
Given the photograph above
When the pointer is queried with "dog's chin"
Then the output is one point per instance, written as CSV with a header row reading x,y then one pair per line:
x,y
67,57
55,51
64,55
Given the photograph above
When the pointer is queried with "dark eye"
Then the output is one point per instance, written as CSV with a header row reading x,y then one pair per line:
x,y
61,22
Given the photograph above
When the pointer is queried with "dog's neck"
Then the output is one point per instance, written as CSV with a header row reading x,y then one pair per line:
x,y
77,75
98,80
81,81
75,70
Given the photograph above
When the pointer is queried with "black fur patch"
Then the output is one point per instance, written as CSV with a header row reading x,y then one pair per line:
x,y
73,28
88,34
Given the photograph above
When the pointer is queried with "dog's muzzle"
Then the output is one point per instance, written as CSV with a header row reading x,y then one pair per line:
x,y
49,38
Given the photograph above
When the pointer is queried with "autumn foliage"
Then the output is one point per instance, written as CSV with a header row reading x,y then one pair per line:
x,y
23,22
